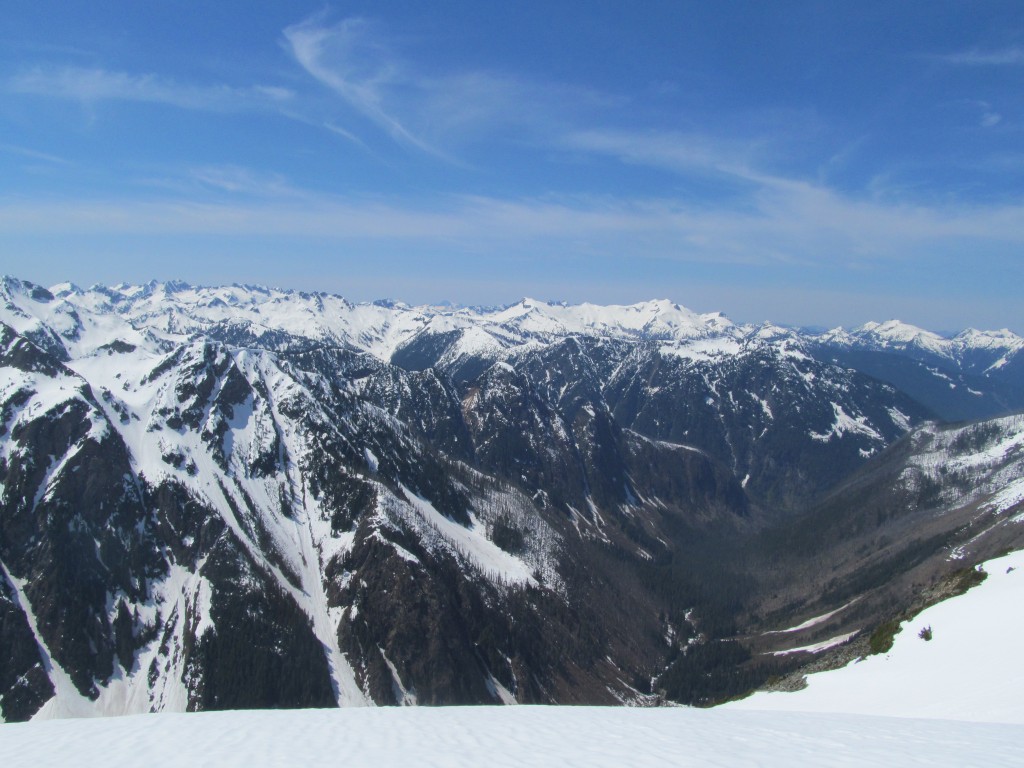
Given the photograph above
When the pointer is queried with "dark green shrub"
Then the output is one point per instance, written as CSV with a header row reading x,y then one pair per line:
x,y
884,636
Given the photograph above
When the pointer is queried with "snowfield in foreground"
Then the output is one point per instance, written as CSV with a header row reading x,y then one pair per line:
x,y
971,669
507,736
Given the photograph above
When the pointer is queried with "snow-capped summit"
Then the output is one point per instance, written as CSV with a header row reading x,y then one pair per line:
x,y
894,335
1003,345
658,319
898,332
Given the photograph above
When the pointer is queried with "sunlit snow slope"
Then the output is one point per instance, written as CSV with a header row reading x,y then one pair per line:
x,y
971,669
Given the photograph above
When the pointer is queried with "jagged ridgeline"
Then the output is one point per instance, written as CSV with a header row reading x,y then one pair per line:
x,y
241,497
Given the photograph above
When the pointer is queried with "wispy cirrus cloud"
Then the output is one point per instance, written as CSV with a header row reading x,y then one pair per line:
x,y
92,85
993,57
236,180
32,154
420,109
991,119
683,153
350,61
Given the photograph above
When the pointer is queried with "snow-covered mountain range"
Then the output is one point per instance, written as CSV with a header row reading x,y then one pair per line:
x,y
175,309
246,497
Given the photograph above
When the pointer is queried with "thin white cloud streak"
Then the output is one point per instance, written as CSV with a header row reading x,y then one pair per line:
x,y
976,57
32,154
91,85
237,180
337,129
669,151
347,60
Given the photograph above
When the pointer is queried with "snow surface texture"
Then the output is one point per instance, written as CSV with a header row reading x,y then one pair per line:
x,y
971,669
507,736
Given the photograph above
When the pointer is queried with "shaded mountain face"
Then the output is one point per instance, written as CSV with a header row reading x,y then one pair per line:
x,y
243,497
973,375
901,533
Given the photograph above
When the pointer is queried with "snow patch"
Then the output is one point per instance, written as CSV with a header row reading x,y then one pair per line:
x,y
472,543
818,647
845,424
371,460
813,622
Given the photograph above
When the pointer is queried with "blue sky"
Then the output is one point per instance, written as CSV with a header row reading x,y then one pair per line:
x,y
809,163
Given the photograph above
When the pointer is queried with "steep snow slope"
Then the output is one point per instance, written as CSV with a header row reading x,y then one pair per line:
x,y
971,669
214,450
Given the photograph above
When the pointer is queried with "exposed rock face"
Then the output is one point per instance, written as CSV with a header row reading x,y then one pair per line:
x,y
24,683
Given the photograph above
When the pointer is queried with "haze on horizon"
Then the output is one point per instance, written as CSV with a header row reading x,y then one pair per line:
x,y
810,165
